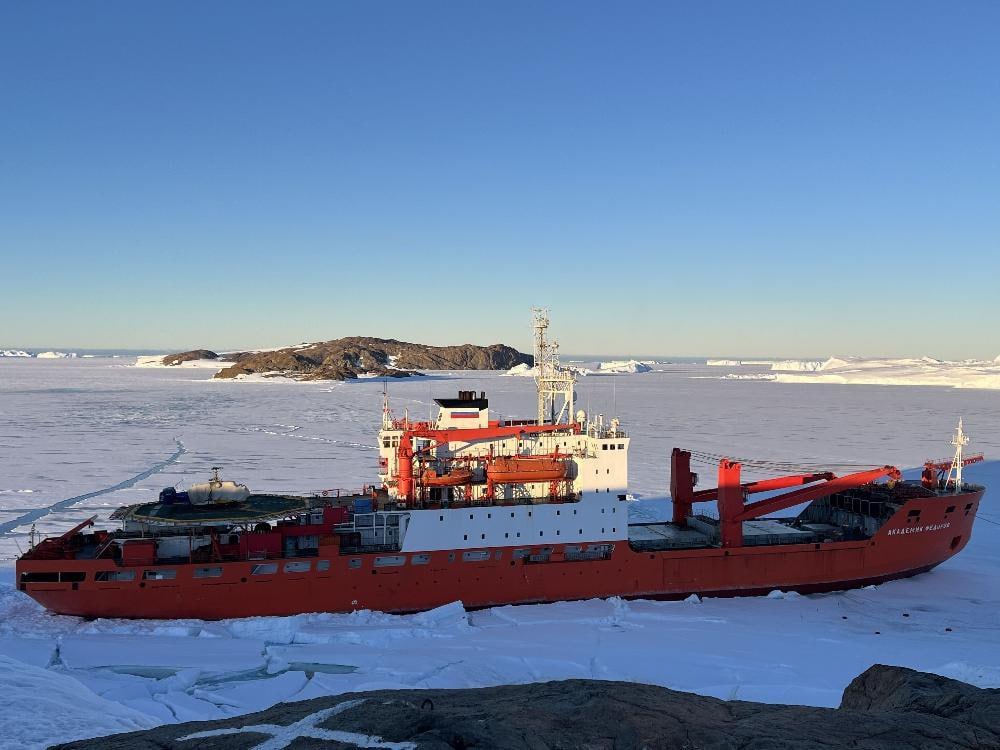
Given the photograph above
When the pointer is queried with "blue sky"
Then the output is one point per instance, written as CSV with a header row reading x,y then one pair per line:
x,y
785,178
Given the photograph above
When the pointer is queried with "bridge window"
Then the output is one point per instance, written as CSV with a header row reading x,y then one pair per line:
x,y
421,559
475,555
621,446
159,575
52,577
354,563
106,576
264,569
297,567
390,561
212,572
322,565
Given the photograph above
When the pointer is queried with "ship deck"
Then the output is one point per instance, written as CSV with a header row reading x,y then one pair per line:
x,y
703,532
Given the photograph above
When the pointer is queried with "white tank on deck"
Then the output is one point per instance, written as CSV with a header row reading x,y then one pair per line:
x,y
217,490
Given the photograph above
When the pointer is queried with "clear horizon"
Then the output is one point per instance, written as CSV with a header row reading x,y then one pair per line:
x,y
774,176
566,357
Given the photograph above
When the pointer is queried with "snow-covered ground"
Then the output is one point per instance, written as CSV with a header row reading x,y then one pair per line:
x,y
156,360
85,436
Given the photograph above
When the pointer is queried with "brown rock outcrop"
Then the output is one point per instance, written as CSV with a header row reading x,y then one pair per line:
x,y
346,358
886,708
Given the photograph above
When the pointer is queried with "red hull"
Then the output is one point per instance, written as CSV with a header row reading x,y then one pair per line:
x,y
898,550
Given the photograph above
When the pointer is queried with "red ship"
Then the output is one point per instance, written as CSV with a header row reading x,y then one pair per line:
x,y
493,512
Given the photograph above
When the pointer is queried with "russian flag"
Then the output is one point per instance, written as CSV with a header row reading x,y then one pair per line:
x,y
465,415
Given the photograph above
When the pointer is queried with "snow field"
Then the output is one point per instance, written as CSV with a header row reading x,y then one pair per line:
x,y
83,427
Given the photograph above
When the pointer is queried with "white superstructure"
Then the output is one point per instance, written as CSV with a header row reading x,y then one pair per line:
x,y
463,457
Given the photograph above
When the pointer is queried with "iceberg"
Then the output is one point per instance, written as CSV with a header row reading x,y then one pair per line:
x,y
740,362
925,371
622,367
796,365
522,370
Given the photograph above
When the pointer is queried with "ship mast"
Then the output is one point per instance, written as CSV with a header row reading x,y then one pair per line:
x,y
386,412
959,440
550,378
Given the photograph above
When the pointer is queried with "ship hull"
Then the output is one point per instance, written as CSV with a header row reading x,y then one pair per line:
x,y
495,576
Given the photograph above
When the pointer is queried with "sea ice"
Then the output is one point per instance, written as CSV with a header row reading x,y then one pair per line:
x,y
86,426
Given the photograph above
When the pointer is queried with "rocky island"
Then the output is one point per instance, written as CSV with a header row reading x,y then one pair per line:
x,y
348,358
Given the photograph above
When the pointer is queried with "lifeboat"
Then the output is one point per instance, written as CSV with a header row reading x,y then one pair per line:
x,y
518,469
454,478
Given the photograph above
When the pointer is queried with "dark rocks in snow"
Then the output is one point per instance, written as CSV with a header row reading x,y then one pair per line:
x,y
347,358
176,359
886,707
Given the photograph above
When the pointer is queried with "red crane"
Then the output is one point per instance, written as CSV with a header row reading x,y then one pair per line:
x,y
731,494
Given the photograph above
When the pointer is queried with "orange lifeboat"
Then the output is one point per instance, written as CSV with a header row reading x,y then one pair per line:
x,y
518,469
457,476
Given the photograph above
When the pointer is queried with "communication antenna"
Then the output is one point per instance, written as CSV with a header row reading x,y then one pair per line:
x,y
551,379
386,413
959,440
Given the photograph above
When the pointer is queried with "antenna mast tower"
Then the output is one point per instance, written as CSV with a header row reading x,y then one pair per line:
x,y
551,379
960,440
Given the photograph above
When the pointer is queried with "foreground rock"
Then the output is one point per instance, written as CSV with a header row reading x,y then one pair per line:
x,y
886,707
347,358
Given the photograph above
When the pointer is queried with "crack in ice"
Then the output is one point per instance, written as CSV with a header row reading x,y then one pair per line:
x,y
308,726
34,515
